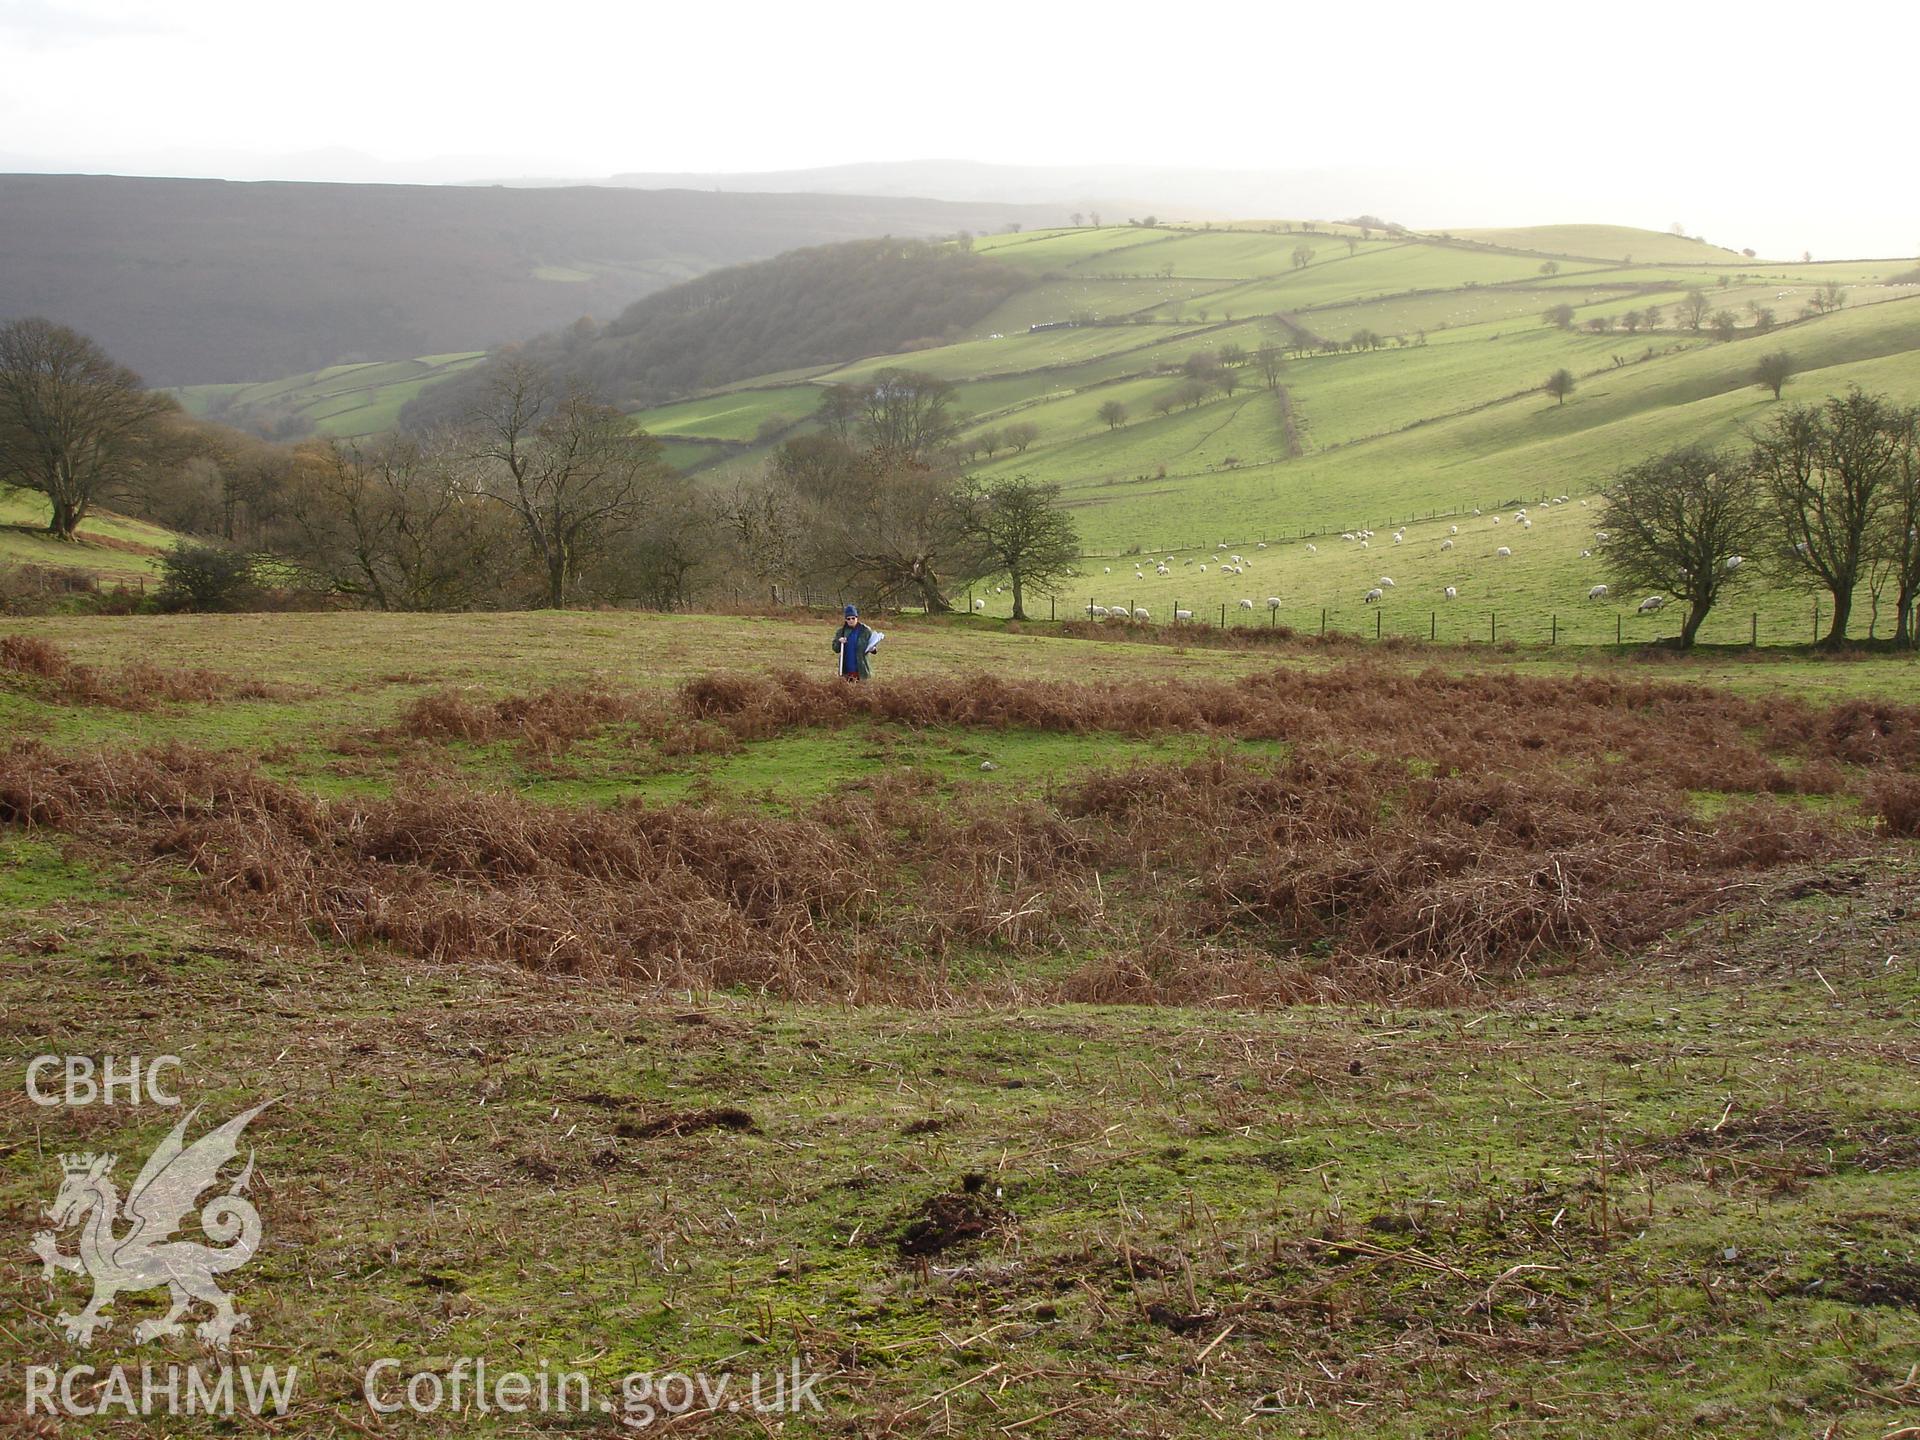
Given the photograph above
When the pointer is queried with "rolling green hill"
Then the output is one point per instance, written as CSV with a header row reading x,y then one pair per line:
x,y
1437,411
1441,415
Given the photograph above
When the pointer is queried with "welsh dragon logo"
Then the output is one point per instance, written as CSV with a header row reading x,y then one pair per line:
x,y
147,1256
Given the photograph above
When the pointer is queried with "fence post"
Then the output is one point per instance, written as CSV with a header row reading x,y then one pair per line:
x,y
1553,636
1816,621
1618,637
1756,629
1223,614
1376,624
1433,625
1323,622
1493,628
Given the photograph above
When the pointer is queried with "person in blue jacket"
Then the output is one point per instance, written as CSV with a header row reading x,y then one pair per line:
x,y
851,642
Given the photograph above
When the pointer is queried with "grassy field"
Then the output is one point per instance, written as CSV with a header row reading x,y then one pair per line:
x,y
117,550
1089,1139
343,401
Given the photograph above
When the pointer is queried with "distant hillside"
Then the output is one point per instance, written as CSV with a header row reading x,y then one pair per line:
x,y
815,307
208,281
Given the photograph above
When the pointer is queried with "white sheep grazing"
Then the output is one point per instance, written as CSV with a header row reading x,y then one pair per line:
x,y
1586,554
1187,561
1346,535
1363,545
1526,524
1161,570
1203,569
1496,519
1273,602
1234,558
1387,581
1373,595
1446,544
1602,536
1451,593
1734,562
1399,538
1504,552
1106,570
1476,509
1183,615
1598,592
1583,504
1140,612
1261,546
1651,604
1313,549
979,604
1246,604
1453,529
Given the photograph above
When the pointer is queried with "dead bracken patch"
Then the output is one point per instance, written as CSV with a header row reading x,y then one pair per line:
x,y
54,675
1416,838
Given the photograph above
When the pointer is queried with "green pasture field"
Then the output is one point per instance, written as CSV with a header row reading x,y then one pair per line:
x,y
1069,299
1604,242
733,415
118,550
1227,255
342,401
1523,447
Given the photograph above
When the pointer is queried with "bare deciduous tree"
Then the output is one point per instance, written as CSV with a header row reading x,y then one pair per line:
x,y
1674,523
74,425
1828,472
1016,526
572,471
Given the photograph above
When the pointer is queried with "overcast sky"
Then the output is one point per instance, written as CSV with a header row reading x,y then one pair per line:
x,y
1753,127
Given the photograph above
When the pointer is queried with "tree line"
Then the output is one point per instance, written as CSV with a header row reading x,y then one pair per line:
x,y
537,494
1824,498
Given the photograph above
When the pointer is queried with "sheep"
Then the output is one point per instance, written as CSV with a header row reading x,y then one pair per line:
x,y
1504,552
1496,519
1453,529
1598,592
1451,593
1183,615
1526,524
979,604
1098,612
1586,554
1734,562
1313,549
1363,545
1161,570
1372,595
1203,569
1476,509
1246,604
1261,546
1273,602
1107,570
1446,544
1140,612
1346,535
1583,504
1399,538
1602,536
1387,580
1651,604
1234,558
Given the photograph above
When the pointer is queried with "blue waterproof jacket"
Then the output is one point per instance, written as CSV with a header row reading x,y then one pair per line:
x,y
851,643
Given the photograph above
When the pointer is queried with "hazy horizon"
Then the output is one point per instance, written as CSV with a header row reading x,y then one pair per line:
x,y
1505,115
